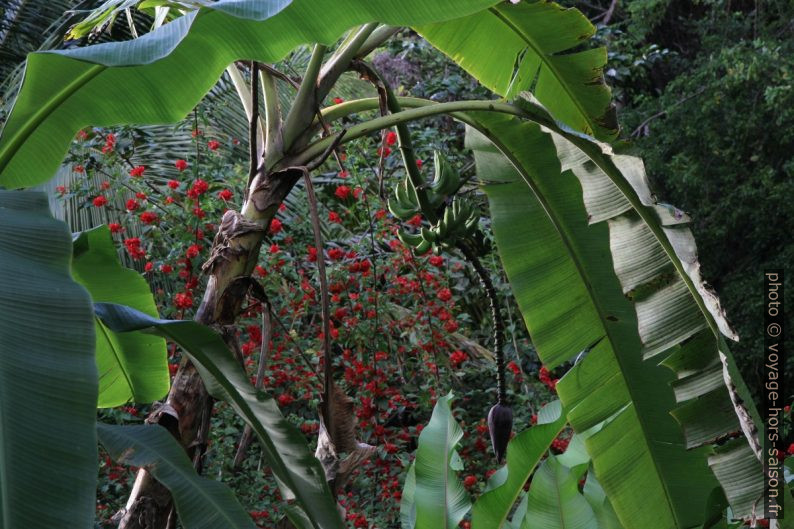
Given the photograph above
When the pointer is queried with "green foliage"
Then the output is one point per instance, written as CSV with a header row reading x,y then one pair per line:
x,y
200,502
132,366
295,467
48,379
533,206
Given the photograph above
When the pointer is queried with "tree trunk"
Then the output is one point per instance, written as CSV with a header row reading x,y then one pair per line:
x,y
187,408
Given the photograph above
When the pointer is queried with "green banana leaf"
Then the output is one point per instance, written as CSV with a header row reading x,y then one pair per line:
x,y
132,366
530,46
48,379
602,508
159,77
298,472
598,294
554,501
523,454
439,499
407,505
201,503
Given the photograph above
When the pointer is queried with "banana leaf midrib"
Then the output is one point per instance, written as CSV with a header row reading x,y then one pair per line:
x,y
549,64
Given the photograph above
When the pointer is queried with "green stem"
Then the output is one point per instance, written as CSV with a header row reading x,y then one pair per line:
x,y
496,317
273,144
420,108
404,144
340,60
303,108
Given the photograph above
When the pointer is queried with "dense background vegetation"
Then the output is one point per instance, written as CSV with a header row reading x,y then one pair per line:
x,y
704,95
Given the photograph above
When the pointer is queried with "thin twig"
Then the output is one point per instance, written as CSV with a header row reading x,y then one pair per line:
x,y
325,310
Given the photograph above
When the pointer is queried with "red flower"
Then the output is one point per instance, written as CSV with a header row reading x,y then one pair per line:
x,y
791,449
275,226
61,190
385,151
137,171
512,366
100,201
140,196
415,221
312,257
183,300
391,137
533,419
181,165
343,173
169,200
261,272
213,145
198,188
226,194
285,398
133,246
469,481
457,358
132,204
444,294
166,268
380,214
419,163
173,184
198,212
105,185
342,192
334,217
274,248
148,217
335,254
148,267
115,227
78,169
338,100
436,260
193,251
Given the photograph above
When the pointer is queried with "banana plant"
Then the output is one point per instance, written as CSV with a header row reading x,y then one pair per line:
x,y
618,299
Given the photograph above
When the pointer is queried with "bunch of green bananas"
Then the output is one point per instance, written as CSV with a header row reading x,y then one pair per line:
x,y
460,221
404,203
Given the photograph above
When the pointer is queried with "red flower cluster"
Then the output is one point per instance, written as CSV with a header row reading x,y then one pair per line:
x,y
444,294
173,184
457,358
545,377
391,137
469,481
342,192
110,144
512,366
336,254
137,171
132,205
78,169
180,165
436,260
133,246
275,226
193,251
115,227
334,217
149,217
213,145
183,300
198,188
100,201
226,194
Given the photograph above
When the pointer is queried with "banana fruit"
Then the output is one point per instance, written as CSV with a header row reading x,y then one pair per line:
x,y
459,220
